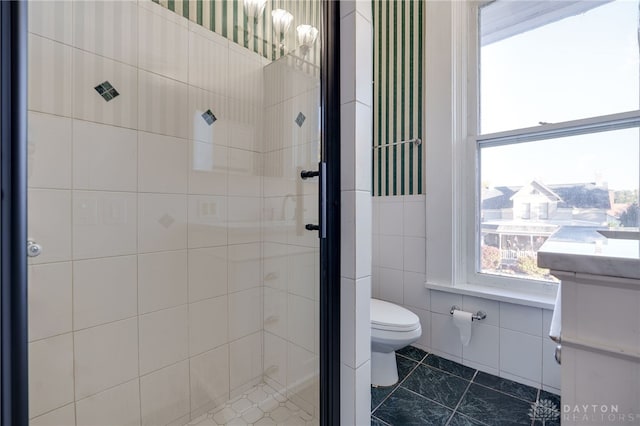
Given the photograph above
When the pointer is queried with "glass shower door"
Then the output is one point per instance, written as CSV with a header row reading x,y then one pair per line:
x,y
176,281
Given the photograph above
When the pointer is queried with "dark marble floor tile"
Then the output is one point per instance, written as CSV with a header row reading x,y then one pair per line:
x,y
377,422
404,367
436,385
507,386
460,420
494,408
404,408
378,394
450,366
412,352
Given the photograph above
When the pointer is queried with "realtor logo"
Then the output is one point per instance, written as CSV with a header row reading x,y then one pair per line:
x,y
544,410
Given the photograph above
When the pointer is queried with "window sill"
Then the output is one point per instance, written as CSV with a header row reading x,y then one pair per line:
x,y
535,300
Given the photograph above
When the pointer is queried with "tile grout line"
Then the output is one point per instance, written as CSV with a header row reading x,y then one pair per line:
x,y
533,420
508,394
428,399
455,409
400,382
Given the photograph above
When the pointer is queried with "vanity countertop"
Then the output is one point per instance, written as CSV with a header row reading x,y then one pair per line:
x,y
585,250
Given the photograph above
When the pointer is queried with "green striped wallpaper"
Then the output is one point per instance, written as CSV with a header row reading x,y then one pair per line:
x,y
227,18
397,96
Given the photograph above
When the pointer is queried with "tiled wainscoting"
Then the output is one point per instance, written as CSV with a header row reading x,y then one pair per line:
x,y
435,391
163,234
512,342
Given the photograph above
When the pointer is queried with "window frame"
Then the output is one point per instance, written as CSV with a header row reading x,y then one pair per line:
x,y
463,226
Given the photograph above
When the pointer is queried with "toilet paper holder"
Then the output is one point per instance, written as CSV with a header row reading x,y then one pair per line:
x,y
475,317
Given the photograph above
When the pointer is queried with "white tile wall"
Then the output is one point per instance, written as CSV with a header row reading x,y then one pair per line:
x,y
202,100
301,265
104,290
50,76
208,224
170,56
61,416
163,106
207,165
49,151
109,29
521,354
207,273
206,70
105,356
163,338
162,163
165,394
50,300
275,359
100,149
245,313
207,324
356,213
52,20
245,361
300,321
119,405
49,220
511,342
244,220
162,222
107,217
50,374
162,280
89,70
209,377
521,318
289,265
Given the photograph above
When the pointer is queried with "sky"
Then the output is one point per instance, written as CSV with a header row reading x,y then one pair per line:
x,y
582,66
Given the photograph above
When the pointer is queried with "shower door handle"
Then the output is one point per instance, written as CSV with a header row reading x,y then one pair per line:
x,y
322,202
306,174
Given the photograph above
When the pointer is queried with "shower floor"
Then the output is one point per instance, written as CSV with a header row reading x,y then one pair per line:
x,y
259,406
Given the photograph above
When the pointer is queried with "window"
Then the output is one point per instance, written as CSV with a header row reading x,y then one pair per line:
x,y
558,131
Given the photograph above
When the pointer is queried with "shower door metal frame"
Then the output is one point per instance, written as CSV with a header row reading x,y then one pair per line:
x,y
14,360
330,212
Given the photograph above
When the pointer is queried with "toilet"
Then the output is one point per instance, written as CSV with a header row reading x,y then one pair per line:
x,y
392,327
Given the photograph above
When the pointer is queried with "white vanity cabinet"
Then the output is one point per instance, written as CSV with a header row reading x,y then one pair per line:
x,y
600,333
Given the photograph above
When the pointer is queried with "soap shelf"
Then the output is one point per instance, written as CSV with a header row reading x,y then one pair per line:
x,y
475,317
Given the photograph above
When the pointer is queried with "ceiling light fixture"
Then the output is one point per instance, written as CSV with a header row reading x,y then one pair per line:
x,y
281,23
307,35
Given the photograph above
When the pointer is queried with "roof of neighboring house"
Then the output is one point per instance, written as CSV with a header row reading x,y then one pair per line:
x,y
576,195
536,187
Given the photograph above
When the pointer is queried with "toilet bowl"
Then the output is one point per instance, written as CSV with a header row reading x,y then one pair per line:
x,y
392,327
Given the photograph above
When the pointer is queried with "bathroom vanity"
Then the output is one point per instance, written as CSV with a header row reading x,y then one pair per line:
x,y
600,324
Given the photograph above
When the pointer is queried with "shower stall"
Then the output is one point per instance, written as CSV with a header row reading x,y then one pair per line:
x,y
174,254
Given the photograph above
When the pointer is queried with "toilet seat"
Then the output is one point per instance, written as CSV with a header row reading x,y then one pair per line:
x,y
390,317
